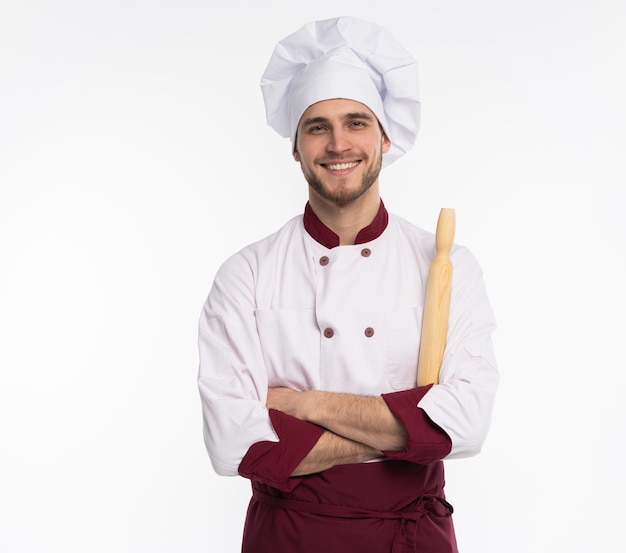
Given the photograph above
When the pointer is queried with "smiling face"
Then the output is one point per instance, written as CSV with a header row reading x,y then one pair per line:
x,y
339,146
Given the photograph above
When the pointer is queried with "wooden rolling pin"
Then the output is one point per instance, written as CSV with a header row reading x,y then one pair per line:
x,y
437,302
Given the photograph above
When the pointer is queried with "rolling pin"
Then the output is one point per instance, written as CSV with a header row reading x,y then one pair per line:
x,y
437,302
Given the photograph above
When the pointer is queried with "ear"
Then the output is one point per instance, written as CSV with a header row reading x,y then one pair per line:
x,y
386,144
296,155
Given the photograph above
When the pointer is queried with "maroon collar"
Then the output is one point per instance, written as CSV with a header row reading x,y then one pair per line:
x,y
326,237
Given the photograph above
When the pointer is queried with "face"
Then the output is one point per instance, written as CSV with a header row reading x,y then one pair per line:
x,y
339,145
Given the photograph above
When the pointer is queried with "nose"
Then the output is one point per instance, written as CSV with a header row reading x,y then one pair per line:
x,y
339,141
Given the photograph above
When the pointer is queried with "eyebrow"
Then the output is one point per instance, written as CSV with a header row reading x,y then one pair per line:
x,y
359,115
347,117
313,121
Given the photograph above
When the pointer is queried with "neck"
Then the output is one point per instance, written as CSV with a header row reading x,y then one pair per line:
x,y
347,220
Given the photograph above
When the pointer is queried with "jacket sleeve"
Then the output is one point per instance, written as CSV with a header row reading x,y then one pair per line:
x,y
426,442
461,403
233,384
273,462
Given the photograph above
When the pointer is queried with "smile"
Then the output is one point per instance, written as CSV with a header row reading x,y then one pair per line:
x,y
341,166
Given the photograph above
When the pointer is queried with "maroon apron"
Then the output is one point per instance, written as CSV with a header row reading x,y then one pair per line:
x,y
385,507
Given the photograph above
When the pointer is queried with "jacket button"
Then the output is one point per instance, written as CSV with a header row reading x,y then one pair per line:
x,y
369,332
329,332
324,260
366,252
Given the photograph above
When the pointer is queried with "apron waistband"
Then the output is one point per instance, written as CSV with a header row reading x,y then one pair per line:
x,y
424,505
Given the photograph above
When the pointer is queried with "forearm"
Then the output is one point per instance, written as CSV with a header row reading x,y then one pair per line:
x,y
363,419
331,450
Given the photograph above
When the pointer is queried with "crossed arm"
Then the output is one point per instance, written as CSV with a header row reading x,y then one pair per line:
x,y
358,428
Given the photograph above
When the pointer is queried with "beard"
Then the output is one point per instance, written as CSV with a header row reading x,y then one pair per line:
x,y
343,194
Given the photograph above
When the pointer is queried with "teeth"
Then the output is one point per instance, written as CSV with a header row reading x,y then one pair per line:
x,y
341,166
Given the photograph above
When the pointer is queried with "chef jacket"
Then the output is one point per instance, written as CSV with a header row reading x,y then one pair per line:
x,y
303,312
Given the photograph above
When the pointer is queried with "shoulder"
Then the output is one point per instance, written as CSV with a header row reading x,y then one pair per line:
x,y
251,256
411,239
237,277
409,230
422,242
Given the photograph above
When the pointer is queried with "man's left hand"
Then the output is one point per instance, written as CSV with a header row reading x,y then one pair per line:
x,y
286,400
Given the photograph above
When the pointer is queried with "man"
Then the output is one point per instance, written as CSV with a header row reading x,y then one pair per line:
x,y
309,338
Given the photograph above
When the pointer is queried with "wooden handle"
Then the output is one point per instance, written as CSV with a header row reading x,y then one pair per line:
x,y
437,302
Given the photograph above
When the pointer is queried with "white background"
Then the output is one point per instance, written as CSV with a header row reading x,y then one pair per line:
x,y
134,157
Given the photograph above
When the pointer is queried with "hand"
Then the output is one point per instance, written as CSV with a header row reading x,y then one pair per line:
x,y
286,400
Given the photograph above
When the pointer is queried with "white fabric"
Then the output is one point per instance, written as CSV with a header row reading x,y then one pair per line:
x,y
346,58
263,325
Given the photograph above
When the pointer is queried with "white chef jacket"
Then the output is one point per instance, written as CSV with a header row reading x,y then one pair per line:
x,y
288,311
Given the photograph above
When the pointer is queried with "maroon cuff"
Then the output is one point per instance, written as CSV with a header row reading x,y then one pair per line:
x,y
273,462
426,442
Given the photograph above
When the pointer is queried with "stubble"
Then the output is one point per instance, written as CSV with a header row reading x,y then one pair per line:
x,y
344,195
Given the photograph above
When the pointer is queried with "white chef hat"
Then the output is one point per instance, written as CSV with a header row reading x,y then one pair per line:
x,y
346,58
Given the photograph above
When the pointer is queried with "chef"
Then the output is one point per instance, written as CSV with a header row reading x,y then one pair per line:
x,y
309,338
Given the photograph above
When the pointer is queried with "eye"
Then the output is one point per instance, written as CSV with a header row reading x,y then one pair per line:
x,y
316,129
357,124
